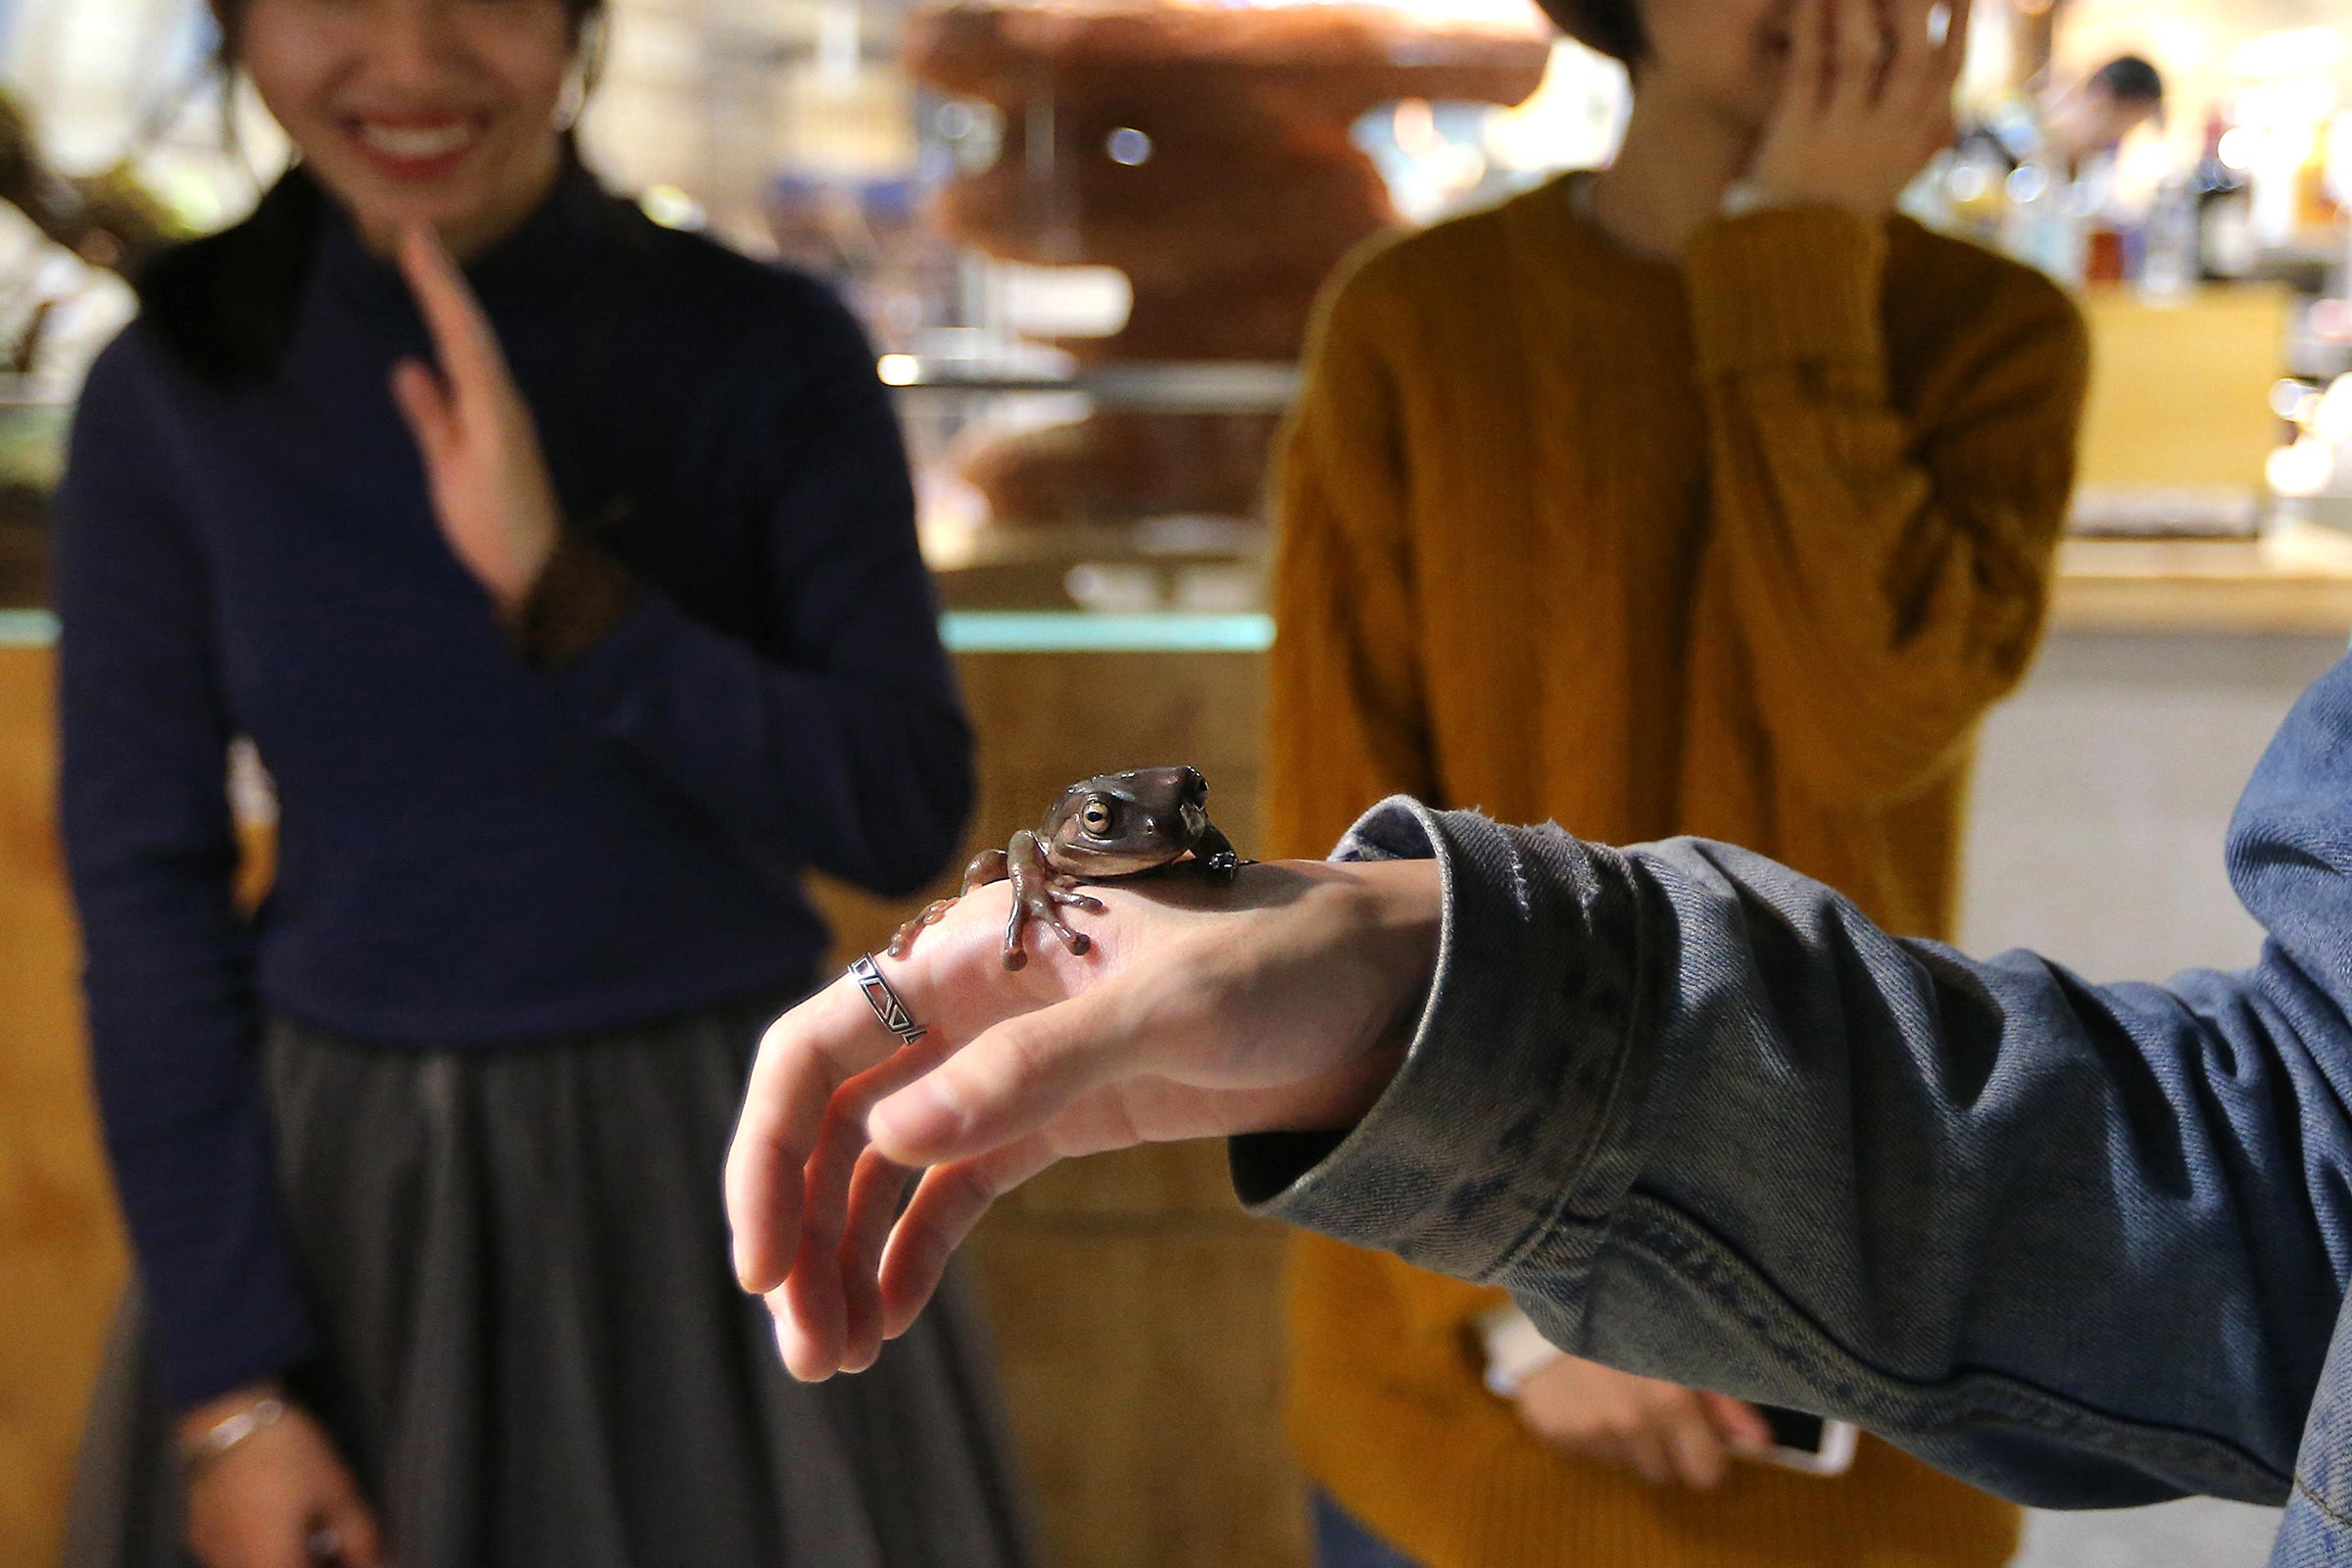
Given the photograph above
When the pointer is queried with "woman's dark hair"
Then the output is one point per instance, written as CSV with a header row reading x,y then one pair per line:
x,y
223,306
1612,26
231,15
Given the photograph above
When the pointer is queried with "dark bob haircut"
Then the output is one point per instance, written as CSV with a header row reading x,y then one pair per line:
x,y
1612,26
231,16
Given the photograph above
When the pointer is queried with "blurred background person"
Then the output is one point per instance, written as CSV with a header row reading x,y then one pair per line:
x,y
573,606
2067,125
1702,494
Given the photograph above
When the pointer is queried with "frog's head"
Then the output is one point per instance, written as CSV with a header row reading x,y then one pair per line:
x,y
1121,823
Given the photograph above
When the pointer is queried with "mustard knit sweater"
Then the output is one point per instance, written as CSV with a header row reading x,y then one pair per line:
x,y
1743,549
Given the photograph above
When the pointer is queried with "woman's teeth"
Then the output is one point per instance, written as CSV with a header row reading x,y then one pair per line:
x,y
416,142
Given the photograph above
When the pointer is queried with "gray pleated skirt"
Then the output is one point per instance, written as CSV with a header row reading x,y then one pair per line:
x,y
533,1351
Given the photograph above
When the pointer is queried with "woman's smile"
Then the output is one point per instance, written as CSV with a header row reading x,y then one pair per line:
x,y
415,148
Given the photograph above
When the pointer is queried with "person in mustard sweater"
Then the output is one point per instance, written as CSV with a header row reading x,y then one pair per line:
x,y
1702,495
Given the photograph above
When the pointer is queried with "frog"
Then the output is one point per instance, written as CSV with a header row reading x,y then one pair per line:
x,y
1102,829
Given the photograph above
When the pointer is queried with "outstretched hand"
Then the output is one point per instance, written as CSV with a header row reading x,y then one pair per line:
x,y
1866,101
483,465
1276,1003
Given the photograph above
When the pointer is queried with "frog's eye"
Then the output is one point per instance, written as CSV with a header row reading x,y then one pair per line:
x,y
1096,817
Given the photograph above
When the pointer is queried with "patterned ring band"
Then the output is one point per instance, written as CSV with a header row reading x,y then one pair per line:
x,y
888,1008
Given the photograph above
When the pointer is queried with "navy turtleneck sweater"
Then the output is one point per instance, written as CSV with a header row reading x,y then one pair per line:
x,y
472,851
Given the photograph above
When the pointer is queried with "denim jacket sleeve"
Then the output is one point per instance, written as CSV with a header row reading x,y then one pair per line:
x,y
2083,1245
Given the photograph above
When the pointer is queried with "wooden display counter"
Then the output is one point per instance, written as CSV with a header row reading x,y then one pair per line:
x,y
2295,579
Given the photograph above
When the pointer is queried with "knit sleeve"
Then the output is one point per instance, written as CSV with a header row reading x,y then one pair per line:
x,y
836,739
1890,570
1346,724
153,858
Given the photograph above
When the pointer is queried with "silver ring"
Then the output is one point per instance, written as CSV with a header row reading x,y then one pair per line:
x,y
888,1008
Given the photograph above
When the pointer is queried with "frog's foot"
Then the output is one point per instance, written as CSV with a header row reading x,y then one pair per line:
x,y
1040,892
906,936
1217,859
1045,905
987,867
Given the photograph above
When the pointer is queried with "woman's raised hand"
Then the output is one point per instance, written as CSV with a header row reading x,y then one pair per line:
x,y
1196,1012
483,465
1865,102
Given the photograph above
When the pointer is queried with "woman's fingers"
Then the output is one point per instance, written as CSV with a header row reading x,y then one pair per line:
x,y
1858,45
425,405
804,1058
1740,1423
463,338
1693,1447
1804,86
947,1203
350,1529
1951,55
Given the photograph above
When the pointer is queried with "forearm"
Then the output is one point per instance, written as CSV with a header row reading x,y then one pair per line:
x,y
1890,556
865,774
1709,1125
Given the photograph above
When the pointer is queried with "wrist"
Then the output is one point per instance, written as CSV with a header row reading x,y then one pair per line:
x,y
1515,1350
212,1430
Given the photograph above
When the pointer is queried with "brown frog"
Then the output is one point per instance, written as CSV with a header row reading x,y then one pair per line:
x,y
1115,825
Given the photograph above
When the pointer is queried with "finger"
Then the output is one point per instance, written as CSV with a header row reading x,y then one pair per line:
x,y
1857,45
1693,1447
1740,1423
1008,1082
875,1193
1805,86
804,1058
463,338
426,409
947,1203
1911,57
1646,1453
1950,56
358,1543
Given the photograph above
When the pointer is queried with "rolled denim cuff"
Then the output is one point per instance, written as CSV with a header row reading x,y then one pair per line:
x,y
1483,1147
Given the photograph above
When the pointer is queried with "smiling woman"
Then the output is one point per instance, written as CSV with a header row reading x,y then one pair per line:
x,y
561,569
405,127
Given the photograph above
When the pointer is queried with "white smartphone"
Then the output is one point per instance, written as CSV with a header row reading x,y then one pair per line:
x,y
1813,1444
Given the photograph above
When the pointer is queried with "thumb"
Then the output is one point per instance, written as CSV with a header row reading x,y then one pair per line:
x,y
357,1543
1007,1083
426,409
1740,1423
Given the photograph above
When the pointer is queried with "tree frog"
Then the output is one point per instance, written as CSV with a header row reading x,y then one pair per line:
x,y
1114,825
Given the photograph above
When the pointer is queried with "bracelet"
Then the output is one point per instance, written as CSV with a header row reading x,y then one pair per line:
x,y
201,1453
1515,1350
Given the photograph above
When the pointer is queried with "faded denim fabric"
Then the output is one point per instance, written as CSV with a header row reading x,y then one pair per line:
x,y
2085,1246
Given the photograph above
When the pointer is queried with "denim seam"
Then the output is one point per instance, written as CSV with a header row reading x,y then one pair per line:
x,y
1681,1246
2334,1515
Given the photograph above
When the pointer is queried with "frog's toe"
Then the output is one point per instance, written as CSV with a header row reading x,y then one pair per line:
x,y
1069,900
905,935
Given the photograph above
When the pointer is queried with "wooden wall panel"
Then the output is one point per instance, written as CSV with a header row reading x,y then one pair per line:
x,y
61,1252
